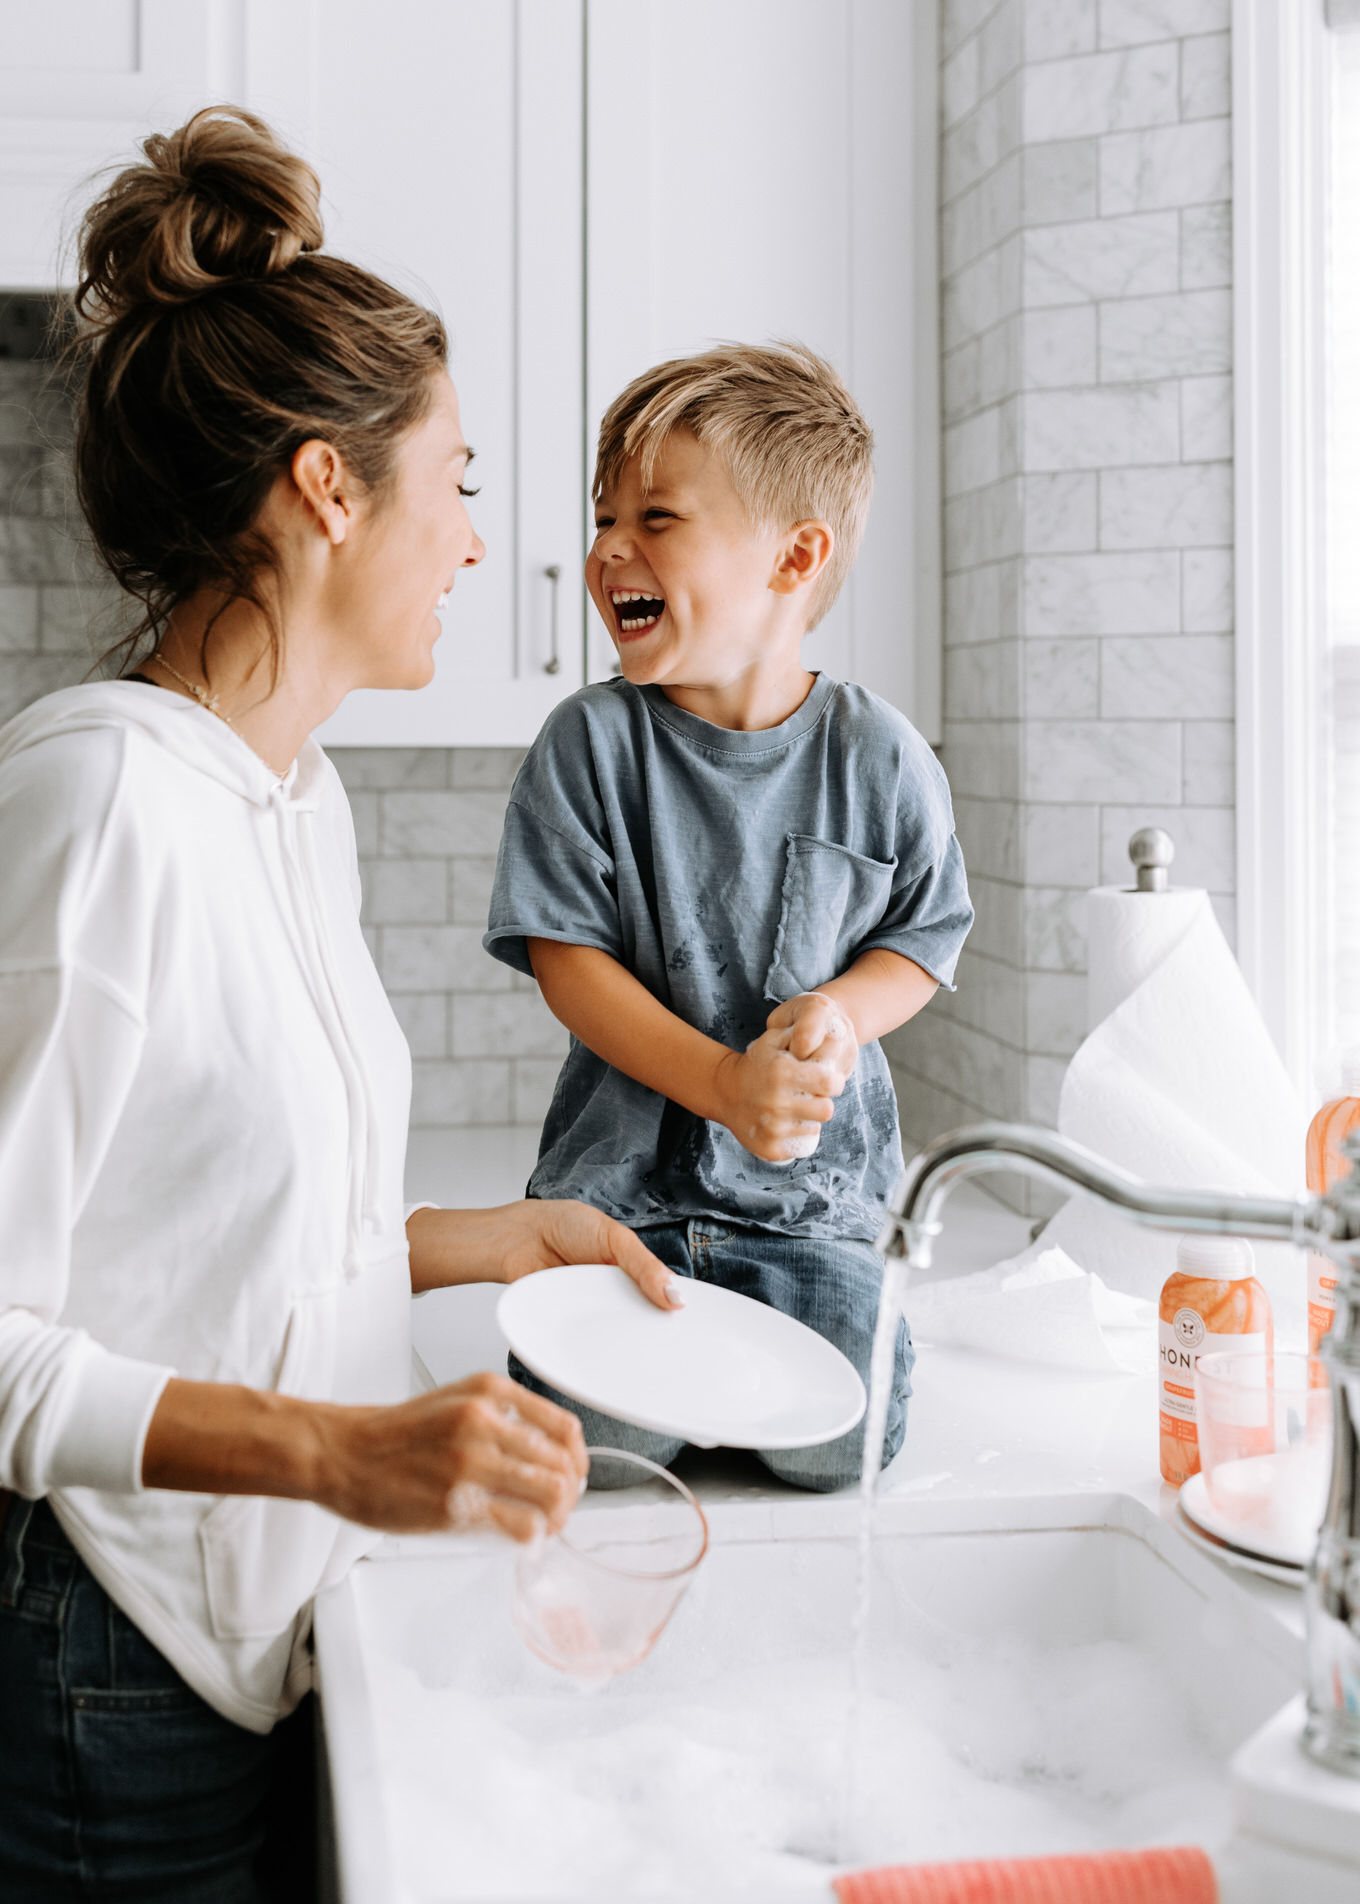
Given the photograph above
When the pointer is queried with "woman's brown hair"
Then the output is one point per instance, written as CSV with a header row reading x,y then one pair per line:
x,y
214,337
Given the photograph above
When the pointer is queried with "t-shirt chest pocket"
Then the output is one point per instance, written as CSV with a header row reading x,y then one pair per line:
x,y
832,900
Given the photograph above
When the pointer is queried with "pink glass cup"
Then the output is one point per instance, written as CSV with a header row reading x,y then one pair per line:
x,y
593,1600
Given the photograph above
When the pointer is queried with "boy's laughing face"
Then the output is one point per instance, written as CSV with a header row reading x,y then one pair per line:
x,y
688,587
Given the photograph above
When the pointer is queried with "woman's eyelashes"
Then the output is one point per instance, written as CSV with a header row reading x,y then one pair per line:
x,y
463,491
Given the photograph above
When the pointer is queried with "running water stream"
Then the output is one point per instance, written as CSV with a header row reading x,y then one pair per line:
x,y
896,1275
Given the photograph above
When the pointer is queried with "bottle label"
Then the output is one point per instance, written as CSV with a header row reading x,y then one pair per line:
x,y
1182,1341
1321,1297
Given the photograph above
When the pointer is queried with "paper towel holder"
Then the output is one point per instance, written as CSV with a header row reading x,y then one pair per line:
x,y
1152,850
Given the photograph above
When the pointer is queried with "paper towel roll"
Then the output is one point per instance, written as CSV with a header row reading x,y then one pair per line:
x,y
1179,1083
1128,935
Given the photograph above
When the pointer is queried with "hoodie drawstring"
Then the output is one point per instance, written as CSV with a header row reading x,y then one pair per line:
x,y
365,1139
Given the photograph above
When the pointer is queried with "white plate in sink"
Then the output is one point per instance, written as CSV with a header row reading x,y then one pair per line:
x,y
1239,1547
724,1371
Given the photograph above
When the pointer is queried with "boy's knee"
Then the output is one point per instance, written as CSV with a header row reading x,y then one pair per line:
x,y
609,1474
835,1464
825,1478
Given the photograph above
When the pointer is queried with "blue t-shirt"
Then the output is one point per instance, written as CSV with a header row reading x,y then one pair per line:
x,y
727,871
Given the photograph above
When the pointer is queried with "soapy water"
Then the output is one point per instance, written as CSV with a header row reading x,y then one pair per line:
x,y
757,1754
730,1784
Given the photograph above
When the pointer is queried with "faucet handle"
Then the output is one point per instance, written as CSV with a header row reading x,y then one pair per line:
x,y
1152,850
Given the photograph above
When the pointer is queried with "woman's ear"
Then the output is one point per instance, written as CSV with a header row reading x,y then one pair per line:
x,y
805,553
319,476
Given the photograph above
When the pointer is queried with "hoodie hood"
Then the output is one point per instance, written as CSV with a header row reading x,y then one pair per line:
x,y
196,738
287,809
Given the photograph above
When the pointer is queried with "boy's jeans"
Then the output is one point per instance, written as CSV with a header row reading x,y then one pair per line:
x,y
832,1287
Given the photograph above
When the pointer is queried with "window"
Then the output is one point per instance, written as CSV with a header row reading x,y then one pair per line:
x,y
1339,726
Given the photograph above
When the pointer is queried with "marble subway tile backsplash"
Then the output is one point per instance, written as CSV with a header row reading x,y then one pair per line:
x,y
484,1047
1101,258
1171,166
1087,390
1131,22
55,609
1100,93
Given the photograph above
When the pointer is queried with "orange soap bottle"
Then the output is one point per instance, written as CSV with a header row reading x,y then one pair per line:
x,y
1213,1301
1326,1165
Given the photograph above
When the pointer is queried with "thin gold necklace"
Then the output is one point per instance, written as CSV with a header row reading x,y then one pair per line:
x,y
200,694
209,701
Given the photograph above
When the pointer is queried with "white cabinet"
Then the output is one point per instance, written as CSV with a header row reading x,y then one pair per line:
x,y
79,81
581,187
766,169
447,134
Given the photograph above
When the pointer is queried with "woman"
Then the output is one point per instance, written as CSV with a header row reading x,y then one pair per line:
x,y
204,1272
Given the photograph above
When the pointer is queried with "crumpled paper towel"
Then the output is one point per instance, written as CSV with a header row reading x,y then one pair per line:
x,y
1039,1307
1180,1084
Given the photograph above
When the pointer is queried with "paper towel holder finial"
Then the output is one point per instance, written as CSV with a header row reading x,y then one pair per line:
x,y
1152,850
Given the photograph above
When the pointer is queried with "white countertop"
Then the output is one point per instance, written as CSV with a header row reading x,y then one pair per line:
x,y
980,1428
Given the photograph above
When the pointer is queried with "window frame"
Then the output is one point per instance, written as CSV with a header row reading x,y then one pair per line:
x,y
1281,123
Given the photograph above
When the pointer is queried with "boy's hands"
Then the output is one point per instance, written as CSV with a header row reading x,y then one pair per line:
x,y
775,1103
818,1028
784,1084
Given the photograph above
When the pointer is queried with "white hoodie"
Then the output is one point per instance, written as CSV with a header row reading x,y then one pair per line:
x,y
203,1107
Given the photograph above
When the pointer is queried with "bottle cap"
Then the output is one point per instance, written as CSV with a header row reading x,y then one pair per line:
x,y
1220,1258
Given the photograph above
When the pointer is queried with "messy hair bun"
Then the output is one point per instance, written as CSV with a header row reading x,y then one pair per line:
x,y
218,200
213,339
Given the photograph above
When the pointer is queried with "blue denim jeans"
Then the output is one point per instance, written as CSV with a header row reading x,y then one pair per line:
x,y
117,1781
832,1287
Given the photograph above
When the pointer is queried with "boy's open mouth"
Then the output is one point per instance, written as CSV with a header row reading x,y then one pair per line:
x,y
634,611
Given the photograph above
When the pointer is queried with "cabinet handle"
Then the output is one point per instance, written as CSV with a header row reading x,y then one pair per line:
x,y
553,664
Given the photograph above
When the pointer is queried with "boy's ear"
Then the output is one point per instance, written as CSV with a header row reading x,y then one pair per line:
x,y
806,552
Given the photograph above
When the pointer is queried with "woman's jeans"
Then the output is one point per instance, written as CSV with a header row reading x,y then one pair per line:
x,y
832,1287
117,1781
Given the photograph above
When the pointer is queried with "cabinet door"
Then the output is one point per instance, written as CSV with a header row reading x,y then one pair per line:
x,y
765,169
80,82
448,137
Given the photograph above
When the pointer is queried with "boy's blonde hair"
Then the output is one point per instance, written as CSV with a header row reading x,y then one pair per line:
x,y
783,424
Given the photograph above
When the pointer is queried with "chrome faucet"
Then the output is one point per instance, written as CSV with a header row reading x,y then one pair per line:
x,y
1330,1224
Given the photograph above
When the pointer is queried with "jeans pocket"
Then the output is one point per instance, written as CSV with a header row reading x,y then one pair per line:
x,y
38,1565
832,899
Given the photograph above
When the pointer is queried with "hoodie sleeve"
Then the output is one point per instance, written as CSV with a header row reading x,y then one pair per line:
x,y
71,1413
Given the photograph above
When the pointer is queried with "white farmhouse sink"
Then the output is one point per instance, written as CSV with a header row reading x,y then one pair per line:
x,y
1073,1678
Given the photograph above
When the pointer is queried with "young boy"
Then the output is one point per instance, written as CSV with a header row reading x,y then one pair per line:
x,y
720,833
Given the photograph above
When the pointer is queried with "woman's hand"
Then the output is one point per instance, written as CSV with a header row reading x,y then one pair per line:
x,y
502,1244
545,1235
482,1450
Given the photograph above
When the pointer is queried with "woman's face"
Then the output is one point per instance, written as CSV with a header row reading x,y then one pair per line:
x,y
406,554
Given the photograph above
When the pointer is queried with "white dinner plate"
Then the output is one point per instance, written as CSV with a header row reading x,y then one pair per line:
x,y
1251,1543
1236,1556
724,1371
